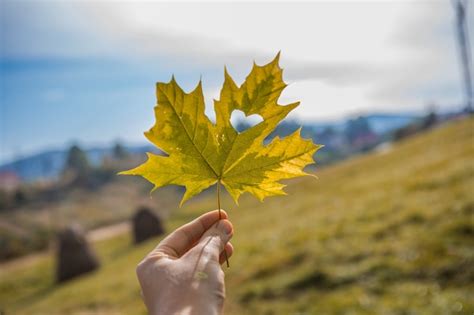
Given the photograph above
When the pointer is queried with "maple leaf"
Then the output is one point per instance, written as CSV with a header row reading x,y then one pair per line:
x,y
201,154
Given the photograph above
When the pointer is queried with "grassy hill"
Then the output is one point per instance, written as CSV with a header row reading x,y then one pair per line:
x,y
387,233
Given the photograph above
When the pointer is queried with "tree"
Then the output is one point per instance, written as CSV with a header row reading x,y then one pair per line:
x,y
430,119
357,128
119,152
77,161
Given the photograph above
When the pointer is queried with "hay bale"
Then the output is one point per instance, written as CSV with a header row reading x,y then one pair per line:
x,y
74,255
146,224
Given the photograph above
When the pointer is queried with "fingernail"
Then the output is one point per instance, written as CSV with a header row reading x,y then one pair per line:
x,y
225,226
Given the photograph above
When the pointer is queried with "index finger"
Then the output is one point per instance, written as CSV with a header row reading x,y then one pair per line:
x,y
183,238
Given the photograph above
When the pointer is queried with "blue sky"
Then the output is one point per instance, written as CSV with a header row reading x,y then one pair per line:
x,y
85,71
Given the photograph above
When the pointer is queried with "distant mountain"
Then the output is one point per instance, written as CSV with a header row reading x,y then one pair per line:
x,y
49,164
383,123
379,123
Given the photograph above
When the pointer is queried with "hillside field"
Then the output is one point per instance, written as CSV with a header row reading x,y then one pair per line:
x,y
391,232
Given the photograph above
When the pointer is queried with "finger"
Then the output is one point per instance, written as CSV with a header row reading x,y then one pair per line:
x,y
183,238
213,241
229,250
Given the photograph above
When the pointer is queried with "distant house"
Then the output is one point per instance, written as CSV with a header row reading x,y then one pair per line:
x,y
365,140
360,134
9,180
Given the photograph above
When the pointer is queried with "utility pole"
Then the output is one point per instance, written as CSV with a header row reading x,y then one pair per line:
x,y
460,6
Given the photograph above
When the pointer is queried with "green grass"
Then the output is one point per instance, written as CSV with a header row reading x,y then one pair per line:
x,y
386,233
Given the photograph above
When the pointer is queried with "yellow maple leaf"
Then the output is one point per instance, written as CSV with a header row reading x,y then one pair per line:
x,y
201,154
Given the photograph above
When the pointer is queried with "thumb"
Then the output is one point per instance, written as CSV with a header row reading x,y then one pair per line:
x,y
213,241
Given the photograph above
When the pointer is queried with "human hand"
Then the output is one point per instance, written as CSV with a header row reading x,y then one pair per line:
x,y
182,275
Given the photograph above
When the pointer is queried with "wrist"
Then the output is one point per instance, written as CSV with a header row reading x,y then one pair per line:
x,y
183,308
186,310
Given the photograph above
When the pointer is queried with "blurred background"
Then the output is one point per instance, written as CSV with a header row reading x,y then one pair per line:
x,y
386,86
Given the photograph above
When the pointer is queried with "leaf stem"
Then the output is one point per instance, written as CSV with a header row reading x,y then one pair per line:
x,y
220,215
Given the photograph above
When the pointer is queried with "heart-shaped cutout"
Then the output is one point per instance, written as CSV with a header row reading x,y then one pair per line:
x,y
241,122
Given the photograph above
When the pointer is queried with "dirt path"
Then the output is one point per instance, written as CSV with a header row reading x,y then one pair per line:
x,y
108,231
4,224
99,234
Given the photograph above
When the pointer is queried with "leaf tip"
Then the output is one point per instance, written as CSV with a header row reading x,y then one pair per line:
x,y
277,57
173,79
128,172
254,65
198,87
235,197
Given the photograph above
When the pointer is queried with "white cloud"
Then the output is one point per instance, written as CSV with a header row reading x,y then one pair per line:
x,y
324,101
340,56
355,56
